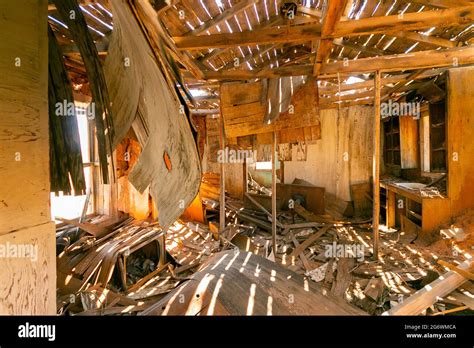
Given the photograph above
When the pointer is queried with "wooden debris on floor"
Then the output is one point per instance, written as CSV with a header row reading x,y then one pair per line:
x,y
331,257
242,283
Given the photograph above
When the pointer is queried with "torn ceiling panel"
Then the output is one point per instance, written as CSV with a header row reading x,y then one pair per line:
x,y
169,163
279,93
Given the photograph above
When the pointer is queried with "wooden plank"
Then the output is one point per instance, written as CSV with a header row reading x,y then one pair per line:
x,y
409,61
222,176
425,297
384,81
301,255
376,168
228,285
24,145
29,283
310,240
251,37
262,208
274,194
466,274
409,21
331,15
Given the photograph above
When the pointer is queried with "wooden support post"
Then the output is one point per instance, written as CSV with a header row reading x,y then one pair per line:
x,y
376,167
245,177
222,176
391,209
274,207
162,246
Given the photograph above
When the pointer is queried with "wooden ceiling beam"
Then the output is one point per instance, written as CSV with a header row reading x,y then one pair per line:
x,y
248,38
366,26
399,62
331,15
409,21
409,61
293,70
385,81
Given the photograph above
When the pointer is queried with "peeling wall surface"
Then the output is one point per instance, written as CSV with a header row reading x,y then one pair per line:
x,y
27,236
169,163
343,155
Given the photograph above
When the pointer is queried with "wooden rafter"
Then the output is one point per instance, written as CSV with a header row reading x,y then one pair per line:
x,y
398,62
384,81
409,61
251,37
331,16
366,26
409,21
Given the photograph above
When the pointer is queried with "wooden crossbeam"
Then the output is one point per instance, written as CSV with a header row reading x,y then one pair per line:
x,y
295,70
251,37
409,61
366,26
332,14
409,21
384,81
221,18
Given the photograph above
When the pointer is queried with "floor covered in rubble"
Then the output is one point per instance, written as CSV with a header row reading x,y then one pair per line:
x,y
323,266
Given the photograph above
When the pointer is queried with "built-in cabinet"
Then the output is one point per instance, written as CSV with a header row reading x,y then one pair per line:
x,y
451,151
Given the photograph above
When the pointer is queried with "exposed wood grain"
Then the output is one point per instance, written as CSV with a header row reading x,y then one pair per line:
x,y
242,284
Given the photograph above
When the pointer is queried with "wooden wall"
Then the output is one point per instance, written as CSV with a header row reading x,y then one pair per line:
x,y
343,154
26,286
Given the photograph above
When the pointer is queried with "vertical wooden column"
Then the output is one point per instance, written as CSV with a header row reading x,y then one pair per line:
x,y
222,175
27,234
391,209
376,167
245,177
274,207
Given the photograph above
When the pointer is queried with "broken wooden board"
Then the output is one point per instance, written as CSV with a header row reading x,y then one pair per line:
x,y
241,283
428,295
244,107
298,250
169,163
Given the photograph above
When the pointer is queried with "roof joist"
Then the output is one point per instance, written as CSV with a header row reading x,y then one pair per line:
x,y
366,26
398,62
